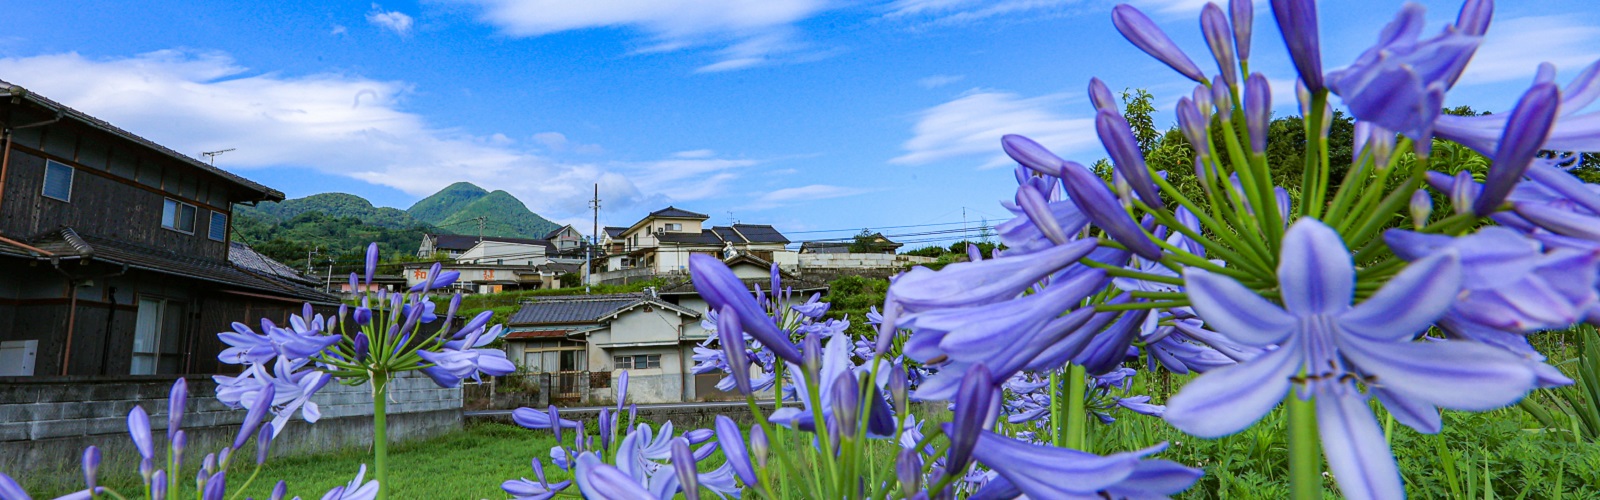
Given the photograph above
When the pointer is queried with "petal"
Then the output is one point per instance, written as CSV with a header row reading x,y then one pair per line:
x,y
1235,311
1228,399
1315,271
1357,453
1410,302
1415,414
1453,374
1051,472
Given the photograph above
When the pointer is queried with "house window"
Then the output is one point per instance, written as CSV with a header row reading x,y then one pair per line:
x,y
155,336
57,181
638,361
177,216
675,226
219,226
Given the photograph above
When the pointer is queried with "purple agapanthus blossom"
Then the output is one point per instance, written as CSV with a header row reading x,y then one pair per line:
x,y
299,341
525,489
467,358
1324,346
1400,83
1511,282
721,288
1573,131
356,489
835,362
1051,472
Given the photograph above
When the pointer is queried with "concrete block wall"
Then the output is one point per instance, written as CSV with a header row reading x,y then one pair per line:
x,y
859,260
45,425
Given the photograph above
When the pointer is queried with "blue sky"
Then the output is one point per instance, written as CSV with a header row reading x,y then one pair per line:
x,y
807,114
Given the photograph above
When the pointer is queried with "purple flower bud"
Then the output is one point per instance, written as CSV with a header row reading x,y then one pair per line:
x,y
1092,197
91,465
344,311
1297,19
1222,99
280,490
216,486
622,389
252,418
1214,24
1464,192
759,446
363,347
208,465
1101,97
1119,142
732,443
177,400
811,354
362,316
973,253
1194,126
1474,17
372,262
1145,35
1526,130
846,402
1243,14
355,286
555,419
972,403
605,428
732,339
139,428
683,463
264,443
1203,102
720,287
1257,111
908,469
180,440
158,485
1421,208
1030,154
898,388
1038,210
888,328
1302,96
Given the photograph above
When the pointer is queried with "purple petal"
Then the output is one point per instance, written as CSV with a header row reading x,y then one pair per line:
x,y
1409,302
1031,154
1315,273
1096,201
1297,20
732,443
1452,374
1357,453
1214,25
720,287
1228,399
1257,111
988,281
1052,472
1117,136
1234,311
1525,132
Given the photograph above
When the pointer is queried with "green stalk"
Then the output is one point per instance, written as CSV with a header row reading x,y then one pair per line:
x,y
1122,272
1075,411
1316,159
1134,306
1058,434
1251,265
1305,455
380,432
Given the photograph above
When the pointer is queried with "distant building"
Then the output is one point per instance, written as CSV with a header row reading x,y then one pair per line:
x,y
490,278
662,242
116,253
504,253
586,341
875,243
453,245
566,241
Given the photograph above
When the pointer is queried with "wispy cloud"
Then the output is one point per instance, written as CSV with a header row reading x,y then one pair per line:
x,y
559,143
956,12
338,29
937,81
345,125
391,20
971,126
1513,48
750,33
813,192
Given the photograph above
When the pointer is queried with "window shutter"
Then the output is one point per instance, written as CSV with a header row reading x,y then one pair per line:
x,y
219,226
58,181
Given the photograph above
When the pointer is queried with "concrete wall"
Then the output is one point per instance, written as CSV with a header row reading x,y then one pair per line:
x,y
45,426
859,260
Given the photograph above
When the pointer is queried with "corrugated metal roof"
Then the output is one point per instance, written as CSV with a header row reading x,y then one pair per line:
x,y
581,309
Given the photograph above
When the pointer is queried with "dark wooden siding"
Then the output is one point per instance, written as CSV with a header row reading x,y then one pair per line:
x,y
102,205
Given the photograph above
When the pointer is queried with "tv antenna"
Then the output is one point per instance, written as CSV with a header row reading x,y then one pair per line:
x,y
211,156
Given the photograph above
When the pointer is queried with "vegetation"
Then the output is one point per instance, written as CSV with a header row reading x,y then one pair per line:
x,y
852,297
456,207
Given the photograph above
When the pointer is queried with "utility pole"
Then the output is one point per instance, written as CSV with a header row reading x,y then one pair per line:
x,y
482,221
963,223
329,287
313,251
594,239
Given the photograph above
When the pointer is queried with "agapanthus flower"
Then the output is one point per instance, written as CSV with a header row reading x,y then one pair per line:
x,y
355,489
834,362
1572,131
1324,346
1400,83
299,341
467,358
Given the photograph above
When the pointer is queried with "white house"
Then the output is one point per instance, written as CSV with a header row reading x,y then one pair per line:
x,y
575,337
662,242
504,253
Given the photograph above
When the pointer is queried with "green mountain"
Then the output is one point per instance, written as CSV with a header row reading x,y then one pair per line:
x,y
339,225
338,205
456,208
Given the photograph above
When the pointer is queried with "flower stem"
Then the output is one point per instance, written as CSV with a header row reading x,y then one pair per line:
x,y
1305,460
380,432
1075,411
1058,434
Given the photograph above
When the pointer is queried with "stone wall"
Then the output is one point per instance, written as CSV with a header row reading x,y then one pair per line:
x,y
859,260
45,424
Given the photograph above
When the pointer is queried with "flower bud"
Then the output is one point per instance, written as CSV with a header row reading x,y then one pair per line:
x,y
91,465
899,388
811,356
280,490
1297,20
1194,127
1242,15
372,262
846,402
1214,25
759,446
683,463
1101,97
908,469
1526,130
158,485
1464,193
1117,136
1257,111
264,443
177,401
363,347
1145,35
1421,208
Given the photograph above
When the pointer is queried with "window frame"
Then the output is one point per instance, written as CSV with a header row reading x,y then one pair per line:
x,y
212,227
178,215
44,185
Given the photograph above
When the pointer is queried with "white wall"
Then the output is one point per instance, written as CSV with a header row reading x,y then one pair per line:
x,y
510,254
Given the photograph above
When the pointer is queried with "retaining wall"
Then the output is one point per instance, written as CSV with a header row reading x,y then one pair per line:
x,y
45,424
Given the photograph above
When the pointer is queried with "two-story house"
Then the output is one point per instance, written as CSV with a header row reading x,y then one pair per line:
x,y
662,242
571,337
115,252
566,243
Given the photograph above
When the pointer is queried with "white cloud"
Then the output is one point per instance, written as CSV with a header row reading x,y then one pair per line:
x,y
338,29
695,153
949,12
971,126
342,125
558,142
393,20
752,33
812,192
1513,48
937,81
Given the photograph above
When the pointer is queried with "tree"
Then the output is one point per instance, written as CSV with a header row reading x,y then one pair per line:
x,y
865,242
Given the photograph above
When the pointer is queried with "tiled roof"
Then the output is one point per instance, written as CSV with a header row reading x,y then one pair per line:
x,y
704,237
552,234
540,334
266,192
255,276
466,242
247,258
676,212
615,232
824,247
760,233
578,309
